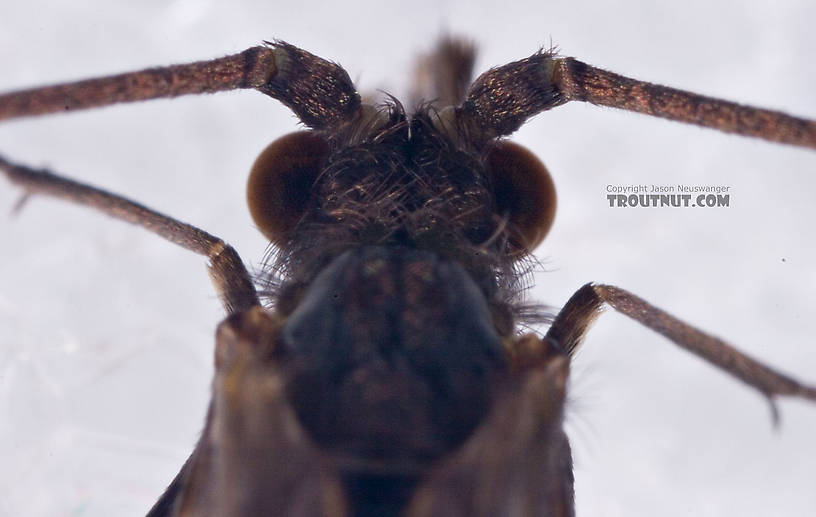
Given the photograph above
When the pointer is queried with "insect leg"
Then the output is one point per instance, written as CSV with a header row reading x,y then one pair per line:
x,y
319,92
502,99
248,69
586,304
582,82
227,271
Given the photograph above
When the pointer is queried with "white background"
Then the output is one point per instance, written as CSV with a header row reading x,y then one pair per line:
x,y
106,330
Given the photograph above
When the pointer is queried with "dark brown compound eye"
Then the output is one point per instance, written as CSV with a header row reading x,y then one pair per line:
x,y
524,192
281,181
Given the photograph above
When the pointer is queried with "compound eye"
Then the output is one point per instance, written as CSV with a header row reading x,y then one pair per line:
x,y
281,181
524,193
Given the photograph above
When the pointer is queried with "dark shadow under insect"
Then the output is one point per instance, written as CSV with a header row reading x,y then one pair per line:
x,y
384,374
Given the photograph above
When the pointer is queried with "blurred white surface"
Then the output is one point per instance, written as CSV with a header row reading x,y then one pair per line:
x,y
106,331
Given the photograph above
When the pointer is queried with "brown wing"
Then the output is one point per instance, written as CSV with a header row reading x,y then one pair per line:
x,y
517,463
253,457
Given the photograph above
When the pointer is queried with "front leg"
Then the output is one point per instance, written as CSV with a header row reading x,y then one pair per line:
x,y
228,273
572,323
